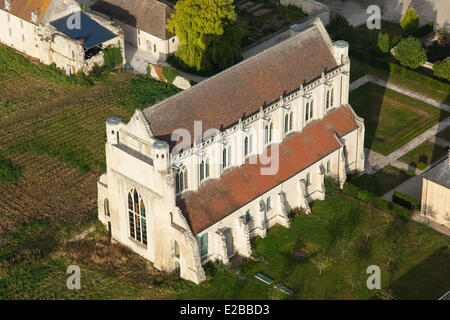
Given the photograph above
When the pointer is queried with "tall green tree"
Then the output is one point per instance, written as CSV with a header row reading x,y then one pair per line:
x,y
209,32
410,53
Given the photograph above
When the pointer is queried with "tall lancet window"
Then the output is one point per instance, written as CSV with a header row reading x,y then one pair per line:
x,y
328,100
204,170
181,180
311,113
307,112
137,218
332,98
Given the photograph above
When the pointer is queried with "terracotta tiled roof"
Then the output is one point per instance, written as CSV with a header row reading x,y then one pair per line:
x,y
24,8
147,15
242,89
233,190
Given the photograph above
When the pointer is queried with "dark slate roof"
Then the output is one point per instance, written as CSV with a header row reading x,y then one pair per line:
x,y
91,31
440,173
147,15
241,90
241,185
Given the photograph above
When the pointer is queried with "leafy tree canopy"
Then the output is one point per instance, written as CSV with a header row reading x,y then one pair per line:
x,y
209,33
441,69
410,53
383,42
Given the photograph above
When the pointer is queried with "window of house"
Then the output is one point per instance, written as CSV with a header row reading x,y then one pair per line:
x,y
247,216
286,124
308,179
268,203
291,119
307,112
224,157
73,55
181,180
328,166
246,146
311,109
332,97
154,48
137,218
327,100
106,207
270,132
204,245
176,249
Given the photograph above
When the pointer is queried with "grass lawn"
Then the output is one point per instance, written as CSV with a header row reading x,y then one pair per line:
x,y
391,118
381,182
445,134
359,69
424,155
338,229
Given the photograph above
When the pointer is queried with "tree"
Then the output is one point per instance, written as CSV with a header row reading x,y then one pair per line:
x,y
441,69
410,53
340,29
209,33
410,21
322,261
383,42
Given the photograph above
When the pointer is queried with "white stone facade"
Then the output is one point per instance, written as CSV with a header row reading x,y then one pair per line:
x,y
137,161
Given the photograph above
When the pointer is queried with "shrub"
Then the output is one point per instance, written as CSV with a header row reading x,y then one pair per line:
x,y
410,53
169,73
441,69
8,173
112,57
410,172
377,202
383,42
424,30
406,201
410,21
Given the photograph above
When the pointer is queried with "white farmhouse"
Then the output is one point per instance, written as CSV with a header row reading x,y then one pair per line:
x,y
259,139
144,24
57,31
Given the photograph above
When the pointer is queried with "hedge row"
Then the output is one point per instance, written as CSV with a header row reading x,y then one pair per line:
x,y
406,201
400,70
423,31
377,202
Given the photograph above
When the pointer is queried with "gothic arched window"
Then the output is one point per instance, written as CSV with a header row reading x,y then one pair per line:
x,y
176,249
266,134
246,146
204,169
270,132
247,216
137,218
224,157
286,123
204,245
106,207
311,110
291,117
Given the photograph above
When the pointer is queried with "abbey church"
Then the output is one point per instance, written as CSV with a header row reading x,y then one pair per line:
x,y
193,178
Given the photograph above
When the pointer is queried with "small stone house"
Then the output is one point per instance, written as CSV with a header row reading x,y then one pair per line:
x,y
57,31
194,177
144,24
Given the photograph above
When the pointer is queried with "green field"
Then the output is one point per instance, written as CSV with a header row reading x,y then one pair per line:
x,y
424,155
391,118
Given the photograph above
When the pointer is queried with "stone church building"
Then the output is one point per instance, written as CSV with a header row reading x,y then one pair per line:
x,y
258,140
